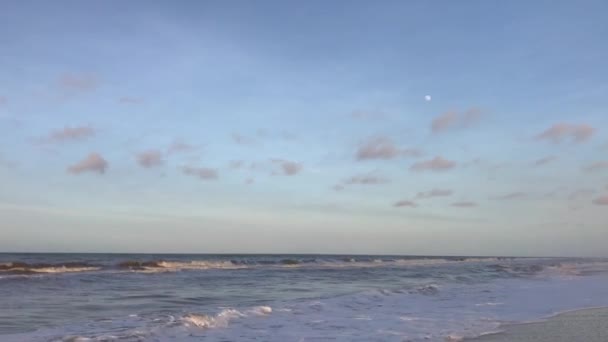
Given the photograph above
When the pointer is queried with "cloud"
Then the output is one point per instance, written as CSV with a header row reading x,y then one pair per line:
x,y
94,162
435,193
70,134
130,100
453,120
366,179
179,146
242,139
368,115
597,166
464,204
512,195
79,82
566,131
203,173
236,164
383,148
249,181
544,161
150,158
603,200
581,193
3,100
289,168
405,203
435,164
338,187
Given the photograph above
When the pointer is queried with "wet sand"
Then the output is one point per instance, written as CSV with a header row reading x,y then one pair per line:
x,y
589,325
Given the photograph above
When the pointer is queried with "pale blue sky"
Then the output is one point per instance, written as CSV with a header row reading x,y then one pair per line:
x,y
272,102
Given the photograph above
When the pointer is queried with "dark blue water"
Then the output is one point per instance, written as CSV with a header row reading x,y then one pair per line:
x,y
106,297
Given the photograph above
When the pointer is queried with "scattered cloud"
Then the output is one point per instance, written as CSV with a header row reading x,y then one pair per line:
x,y
603,200
249,181
435,164
383,148
289,168
94,162
454,120
368,114
338,187
405,203
366,179
581,193
242,139
203,173
79,82
512,196
597,166
70,134
236,164
544,161
179,146
464,204
150,158
566,131
435,193
3,100
130,100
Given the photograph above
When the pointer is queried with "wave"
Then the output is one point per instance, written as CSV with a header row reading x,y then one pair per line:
x,y
490,266
222,319
25,268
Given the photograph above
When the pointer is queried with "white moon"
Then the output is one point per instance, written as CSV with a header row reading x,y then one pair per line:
x,y
427,98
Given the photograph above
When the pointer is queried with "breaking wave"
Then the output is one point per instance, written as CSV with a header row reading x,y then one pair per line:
x,y
25,268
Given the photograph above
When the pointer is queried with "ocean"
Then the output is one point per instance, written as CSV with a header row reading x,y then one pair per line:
x,y
144,297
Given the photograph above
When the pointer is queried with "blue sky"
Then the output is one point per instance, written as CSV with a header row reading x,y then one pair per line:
x,y
283,126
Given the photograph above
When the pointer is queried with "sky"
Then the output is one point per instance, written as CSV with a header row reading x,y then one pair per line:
x,y
390,127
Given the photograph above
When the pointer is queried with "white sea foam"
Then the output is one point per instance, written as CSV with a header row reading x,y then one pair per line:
x,y
223,318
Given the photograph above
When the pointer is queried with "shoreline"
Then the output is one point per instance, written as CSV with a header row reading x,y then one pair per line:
x,y
583,324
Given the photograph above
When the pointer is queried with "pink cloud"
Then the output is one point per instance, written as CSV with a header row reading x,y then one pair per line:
x,y
289,168
79,82
405,203
581,193
70,133
452,120
130,100
366,179
383,148
603,200
464,204
435,164
242,139
94,162
203,173
512,195
368,115
179,146
237,164
565,131
150,158
597,166
544,160
435,193
338,187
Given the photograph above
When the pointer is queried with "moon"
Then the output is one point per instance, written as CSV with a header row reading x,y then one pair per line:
x,y
427,98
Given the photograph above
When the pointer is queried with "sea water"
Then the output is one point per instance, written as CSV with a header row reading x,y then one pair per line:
x,y
128,297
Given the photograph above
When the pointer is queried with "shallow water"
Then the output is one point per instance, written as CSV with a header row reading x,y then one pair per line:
x,y
107,297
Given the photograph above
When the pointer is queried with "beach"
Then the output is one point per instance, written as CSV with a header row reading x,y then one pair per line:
x,y
589,325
